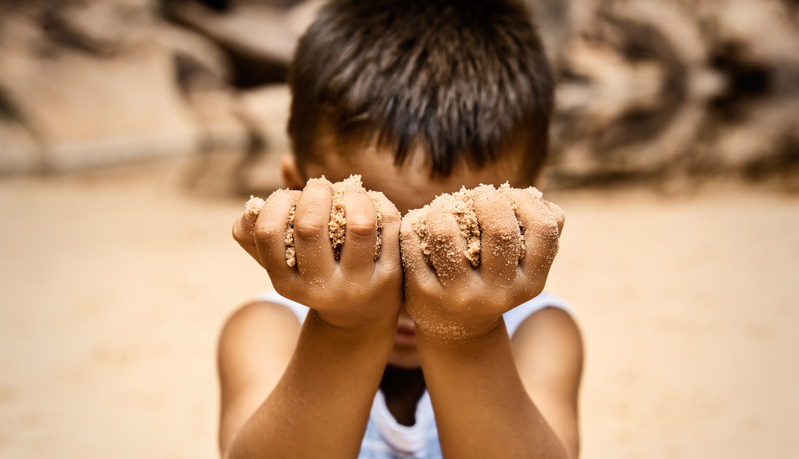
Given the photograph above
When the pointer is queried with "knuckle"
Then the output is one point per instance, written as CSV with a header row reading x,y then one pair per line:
x,y
269,230
309,226
440,231
489,222
361,227
500,232
548,233
504,256
539,223
406,225
277,195
502,243
443,241
390,214
406,232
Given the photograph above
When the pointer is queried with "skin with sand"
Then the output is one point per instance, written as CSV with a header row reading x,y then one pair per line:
x,y
461,204
338,219
440,252
440,308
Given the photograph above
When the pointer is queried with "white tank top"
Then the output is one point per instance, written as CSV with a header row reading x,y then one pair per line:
x,y
385,438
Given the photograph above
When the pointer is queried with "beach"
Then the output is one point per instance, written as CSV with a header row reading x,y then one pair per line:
x,y
115,284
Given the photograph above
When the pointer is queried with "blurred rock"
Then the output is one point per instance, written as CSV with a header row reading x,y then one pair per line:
x,y
667,88
553,19
647,89
266,111
92,93
245,139
91,112
201,64
770,127
222,129
104,28
19,150
258,36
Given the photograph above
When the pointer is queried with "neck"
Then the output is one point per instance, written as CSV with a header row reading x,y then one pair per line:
x,y
402,389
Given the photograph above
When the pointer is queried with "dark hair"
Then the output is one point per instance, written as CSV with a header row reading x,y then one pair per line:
x,y
461,78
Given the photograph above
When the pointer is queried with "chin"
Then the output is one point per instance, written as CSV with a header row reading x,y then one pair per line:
x,y
405,365
407,360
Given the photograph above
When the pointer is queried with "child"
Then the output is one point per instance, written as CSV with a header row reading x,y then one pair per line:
x,y
413,353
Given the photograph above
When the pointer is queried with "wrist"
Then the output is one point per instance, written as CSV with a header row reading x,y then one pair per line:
x,y
370,331
449,331
464,350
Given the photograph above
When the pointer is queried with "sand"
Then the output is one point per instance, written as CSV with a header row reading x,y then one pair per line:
x,y
461,204
253,206
115,286
291,251
469,226
419,224
337,226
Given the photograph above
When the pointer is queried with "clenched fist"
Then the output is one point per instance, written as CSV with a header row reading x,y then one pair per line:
x,y
473,255
331,247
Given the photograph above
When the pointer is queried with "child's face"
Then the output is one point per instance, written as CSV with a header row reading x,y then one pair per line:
x,y
408,187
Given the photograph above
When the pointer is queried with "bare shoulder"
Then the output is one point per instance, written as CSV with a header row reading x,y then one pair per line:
x,y
259,328
255,346
550,334
548,349
250,321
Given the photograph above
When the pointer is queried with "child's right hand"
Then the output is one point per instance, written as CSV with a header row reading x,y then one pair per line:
x,y
352,292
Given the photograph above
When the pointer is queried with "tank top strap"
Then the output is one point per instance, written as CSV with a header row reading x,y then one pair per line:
x,y
299,310
519,314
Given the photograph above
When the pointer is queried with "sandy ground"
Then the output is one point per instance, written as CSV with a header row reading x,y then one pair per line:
x,y
113,288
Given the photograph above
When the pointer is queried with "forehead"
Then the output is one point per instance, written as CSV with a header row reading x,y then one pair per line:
x,y
410,186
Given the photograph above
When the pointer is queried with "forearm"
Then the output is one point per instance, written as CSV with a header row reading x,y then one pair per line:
x,y
481,406
321,405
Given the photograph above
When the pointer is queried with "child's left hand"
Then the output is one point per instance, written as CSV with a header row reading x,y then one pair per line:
x,y
448,298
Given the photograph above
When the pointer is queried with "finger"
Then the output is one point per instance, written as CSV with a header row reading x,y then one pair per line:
x,y
540,236
500,241
558,213
389,251
445,241
358,251
311,237
419,275
269,234
244,226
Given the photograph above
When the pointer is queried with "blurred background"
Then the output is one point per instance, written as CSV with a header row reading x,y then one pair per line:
x,y
131,132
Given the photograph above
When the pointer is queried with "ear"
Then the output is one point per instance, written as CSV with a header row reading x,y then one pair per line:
x,y
292,177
